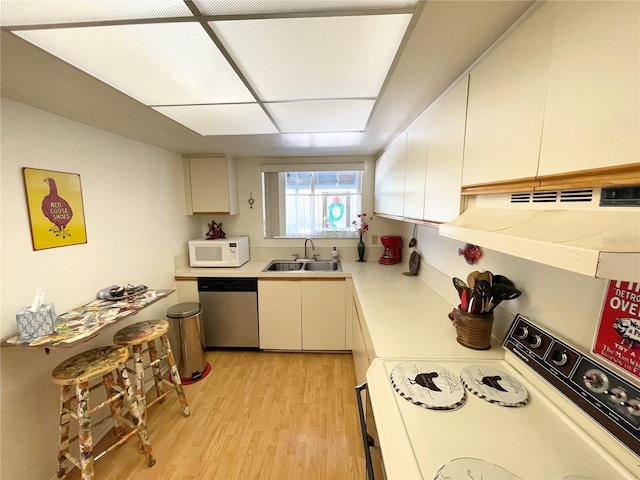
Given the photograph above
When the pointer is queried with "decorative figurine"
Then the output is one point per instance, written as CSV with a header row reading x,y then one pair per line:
x,y
215,231
471,253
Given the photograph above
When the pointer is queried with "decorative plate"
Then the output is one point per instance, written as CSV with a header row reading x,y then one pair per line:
x,y
414,264
494,386
470,468
428,385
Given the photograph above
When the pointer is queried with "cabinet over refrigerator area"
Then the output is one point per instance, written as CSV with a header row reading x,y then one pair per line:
x,y
229,312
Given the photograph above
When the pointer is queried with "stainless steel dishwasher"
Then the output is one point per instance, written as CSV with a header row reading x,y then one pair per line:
x,y
229,312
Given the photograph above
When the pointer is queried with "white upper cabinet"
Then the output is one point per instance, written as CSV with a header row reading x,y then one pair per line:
x,y
431,166
591,116
446,127
211,185
506,105
414,181
389,178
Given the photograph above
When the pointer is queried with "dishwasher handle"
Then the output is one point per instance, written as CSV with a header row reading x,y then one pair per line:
x,y
229,284
367,440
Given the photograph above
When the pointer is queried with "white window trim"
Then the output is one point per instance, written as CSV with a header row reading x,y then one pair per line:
x,y
313,167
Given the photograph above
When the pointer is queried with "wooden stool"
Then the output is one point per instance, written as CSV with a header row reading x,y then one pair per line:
x,y
76,372
135,336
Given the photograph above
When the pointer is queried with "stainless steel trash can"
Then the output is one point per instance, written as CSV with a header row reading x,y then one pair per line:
x,y
185,321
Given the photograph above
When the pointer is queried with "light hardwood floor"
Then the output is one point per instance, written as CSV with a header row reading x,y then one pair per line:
x,y
260,415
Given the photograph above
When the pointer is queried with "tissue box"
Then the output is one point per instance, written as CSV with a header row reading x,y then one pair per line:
x,y
36,324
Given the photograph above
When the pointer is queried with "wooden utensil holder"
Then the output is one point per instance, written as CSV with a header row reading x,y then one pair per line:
x,y
473,330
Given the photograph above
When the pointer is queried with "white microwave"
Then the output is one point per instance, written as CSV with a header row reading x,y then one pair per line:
x,y
226,252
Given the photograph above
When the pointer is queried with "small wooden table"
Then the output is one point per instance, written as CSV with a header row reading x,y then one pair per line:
x,y
85,322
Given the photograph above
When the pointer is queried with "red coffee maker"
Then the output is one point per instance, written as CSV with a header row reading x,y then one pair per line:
x,y
392,249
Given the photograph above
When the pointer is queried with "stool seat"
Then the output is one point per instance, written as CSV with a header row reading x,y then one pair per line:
x,y
90,364
141,332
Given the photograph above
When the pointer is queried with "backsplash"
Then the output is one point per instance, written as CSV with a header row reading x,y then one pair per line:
x,y
568,304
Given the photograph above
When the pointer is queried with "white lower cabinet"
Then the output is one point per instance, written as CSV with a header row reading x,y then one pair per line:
x,y
279,309
323,315
361,347
301,314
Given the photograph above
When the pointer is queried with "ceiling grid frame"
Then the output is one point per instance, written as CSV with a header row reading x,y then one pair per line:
x,y
203,20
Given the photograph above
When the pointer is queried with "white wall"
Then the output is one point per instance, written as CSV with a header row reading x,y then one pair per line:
x,y
135,220
249,221
568,304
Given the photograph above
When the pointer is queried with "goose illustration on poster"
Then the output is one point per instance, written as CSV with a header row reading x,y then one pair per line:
x,y
55,206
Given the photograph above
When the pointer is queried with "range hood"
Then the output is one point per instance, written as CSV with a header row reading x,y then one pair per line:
x,y
556,229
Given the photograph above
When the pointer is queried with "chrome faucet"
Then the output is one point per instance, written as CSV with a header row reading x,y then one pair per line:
x,y
313,247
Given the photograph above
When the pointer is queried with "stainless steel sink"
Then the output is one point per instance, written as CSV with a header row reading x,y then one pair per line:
x,y
323,266
283,266
303,266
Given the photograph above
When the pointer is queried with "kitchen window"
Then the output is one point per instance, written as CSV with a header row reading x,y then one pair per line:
x,y
311,203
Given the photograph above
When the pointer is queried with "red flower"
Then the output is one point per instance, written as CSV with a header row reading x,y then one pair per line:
x,y
363,226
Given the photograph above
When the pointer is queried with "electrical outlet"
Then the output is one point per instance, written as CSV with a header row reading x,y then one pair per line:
x,y
374,239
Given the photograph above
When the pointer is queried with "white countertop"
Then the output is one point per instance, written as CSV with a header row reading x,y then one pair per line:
x,y
405,317
408,318
253,268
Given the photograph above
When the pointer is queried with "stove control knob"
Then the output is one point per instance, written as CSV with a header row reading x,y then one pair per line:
x,y
560,358
535,341
595,380
522,332
616,394
633,406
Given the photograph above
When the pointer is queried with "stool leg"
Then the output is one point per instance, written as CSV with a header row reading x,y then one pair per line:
x,y
84,431
115,406
136,414
157,376
66,395
140,395
175,376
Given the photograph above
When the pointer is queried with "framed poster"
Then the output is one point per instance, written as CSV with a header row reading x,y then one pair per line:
x,y
618,335
56,212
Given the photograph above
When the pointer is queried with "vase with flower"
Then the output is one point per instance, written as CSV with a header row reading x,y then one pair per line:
x,y
362,227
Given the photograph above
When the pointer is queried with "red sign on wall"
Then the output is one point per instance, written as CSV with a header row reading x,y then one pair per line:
x,y
618,336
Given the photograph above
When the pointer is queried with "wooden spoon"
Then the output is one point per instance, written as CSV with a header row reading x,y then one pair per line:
x,y
486,275
472,278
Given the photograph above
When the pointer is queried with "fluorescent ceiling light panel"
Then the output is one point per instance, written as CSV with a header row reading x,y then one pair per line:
x,y
44,12
242,119
322,115
322,140
245,7
157,64
314,57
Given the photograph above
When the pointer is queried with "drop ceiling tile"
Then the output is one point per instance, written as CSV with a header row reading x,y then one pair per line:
x,y
240,119
321,115
42,12
157,64
314,57
245,7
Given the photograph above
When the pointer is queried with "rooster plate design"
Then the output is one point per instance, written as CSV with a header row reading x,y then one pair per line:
x,y
57,210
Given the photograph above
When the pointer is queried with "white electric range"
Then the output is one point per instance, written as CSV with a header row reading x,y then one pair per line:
x,y
544,412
